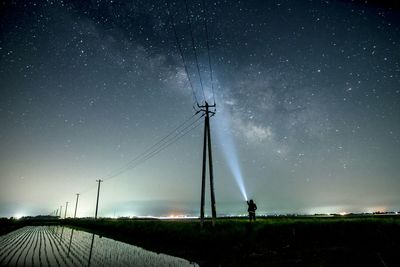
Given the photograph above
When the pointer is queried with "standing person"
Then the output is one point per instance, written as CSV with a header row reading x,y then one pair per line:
x,y
252,207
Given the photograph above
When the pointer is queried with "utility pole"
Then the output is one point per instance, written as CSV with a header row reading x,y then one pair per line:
x,y
97,202
66,208
207,146
60,211
76,204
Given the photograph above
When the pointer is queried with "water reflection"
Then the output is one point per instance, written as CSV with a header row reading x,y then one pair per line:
x,y
62,232
62,246
91,249
70,241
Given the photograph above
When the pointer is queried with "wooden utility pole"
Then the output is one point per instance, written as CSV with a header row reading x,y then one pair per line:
x,y
66,207
97,202
76,205
207,146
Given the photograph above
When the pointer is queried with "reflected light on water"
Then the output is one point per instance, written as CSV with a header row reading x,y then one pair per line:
x,y
62,246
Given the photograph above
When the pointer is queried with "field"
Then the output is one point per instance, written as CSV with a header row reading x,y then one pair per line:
x,y
63,246
280,241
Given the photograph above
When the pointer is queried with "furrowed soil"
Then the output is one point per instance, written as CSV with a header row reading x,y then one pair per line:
x,y
280,241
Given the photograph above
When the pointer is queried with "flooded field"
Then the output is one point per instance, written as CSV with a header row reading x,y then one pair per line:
x,y
62,246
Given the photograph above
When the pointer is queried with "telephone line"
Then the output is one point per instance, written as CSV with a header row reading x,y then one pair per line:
x,y
181,134
146,152
173,140
166,141
208,48
175,131
178,44
194,48
159,149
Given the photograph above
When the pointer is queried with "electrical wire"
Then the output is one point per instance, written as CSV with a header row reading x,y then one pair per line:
x,y
180,131
171,135
178,44
158,144
156,151
194,48
208,47
152,154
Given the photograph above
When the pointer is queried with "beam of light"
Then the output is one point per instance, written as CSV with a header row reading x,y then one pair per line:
x,y
222,127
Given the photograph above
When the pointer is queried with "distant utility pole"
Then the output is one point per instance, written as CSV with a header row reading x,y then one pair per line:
x,y
60,211
97,202
66,207
207,141
76,204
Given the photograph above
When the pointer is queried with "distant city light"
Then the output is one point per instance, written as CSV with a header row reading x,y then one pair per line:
x,y
18,216
170,217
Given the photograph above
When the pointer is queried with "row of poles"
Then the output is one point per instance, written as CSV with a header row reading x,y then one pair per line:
x,y
206,148
207,135
58,212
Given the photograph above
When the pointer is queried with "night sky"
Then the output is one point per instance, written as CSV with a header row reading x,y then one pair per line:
x,y
307,94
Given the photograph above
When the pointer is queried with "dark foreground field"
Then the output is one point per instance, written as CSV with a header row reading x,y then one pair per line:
x,y
295,241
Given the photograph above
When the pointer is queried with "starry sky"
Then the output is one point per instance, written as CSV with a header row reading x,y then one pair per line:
x,y
307,95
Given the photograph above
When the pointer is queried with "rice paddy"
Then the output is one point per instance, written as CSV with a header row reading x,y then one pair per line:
x,y
63,246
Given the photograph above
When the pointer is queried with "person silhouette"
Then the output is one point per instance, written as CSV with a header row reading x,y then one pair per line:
x,y
252,207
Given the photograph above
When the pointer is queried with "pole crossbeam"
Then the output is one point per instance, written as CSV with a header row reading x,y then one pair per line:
x,y
207,146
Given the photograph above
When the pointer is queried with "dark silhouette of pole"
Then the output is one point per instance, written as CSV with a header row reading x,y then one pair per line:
x,y
62,233
97,202
57,212
91,249
70,241
76,205
60,211
66,208
207,146
203,176
210,168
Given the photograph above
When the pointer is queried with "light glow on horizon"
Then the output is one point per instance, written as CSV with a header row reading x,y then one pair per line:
x,y
18,216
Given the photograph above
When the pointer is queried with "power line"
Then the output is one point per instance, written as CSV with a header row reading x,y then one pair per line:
x,y
149,149
208,47
174,140
157,150
160,144
175,135
194,48
178,44
150,155
171,135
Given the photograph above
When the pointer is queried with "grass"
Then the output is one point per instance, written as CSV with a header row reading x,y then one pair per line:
x,y
280,241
